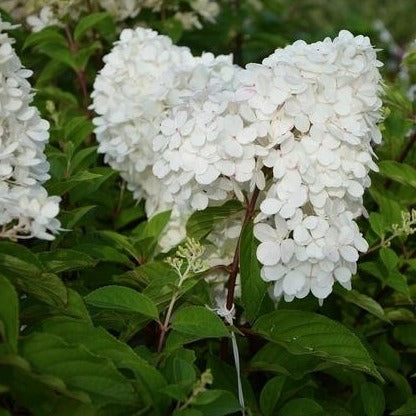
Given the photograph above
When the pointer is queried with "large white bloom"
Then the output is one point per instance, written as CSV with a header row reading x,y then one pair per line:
x,y
153,101
25,208
322,102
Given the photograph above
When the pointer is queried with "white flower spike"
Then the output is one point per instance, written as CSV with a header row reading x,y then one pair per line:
x,y
25,208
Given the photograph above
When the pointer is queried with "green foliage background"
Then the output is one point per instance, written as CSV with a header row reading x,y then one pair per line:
x,y
80,316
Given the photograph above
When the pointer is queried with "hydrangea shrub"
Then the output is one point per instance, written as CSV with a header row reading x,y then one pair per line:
x,y
203,214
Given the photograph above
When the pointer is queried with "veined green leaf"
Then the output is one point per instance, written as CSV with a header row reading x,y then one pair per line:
x,y
90,21
253,288
399,172
363,301
408,409
372,398
65,259
302,332
123,299
9,314
78,368
199,321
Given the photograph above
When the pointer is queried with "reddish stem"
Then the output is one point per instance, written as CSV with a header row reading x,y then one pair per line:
x,y
80,73
235,265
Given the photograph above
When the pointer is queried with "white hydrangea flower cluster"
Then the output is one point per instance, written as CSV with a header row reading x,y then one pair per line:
x,y
171,124
131,95
25,208
322,102
190,132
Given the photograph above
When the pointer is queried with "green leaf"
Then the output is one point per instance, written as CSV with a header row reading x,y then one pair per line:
x,y
81,159
176,392
176,340
224,404
123,299
103,344
301,407
270,394
9,314
372,398
47,287
63,186
47,35
406,334
78,368
128,215
48,74
18,259
302,332
147,234
399,172
274,358
408,409
207,396
56,94
105,253
65,259
253,287
42,394
199,321
187,412
201,223
378,224
148,273
363,301
89,22
58,52
398,282
390,208
170,27
75,307
121,240
83,55
389,258
77,130
72,218
155,226
179,370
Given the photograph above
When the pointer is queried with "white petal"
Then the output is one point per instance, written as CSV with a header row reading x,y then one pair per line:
x,y
263,232
287,249
208,176
302,123
355,189
321,292
199,201
342,274
270,206
293,282
268,253
349,253
273,273
360,244
301,235
50,209
233,148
